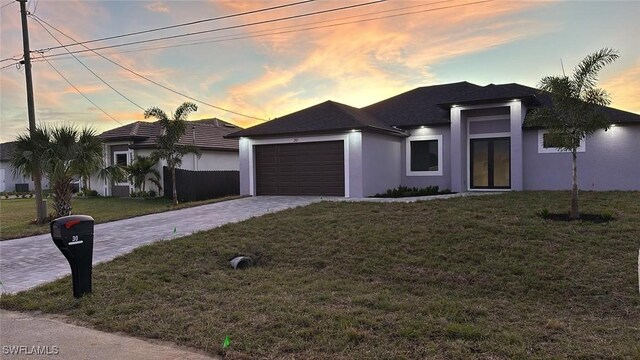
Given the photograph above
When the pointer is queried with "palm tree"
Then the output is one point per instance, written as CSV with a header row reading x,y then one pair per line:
x,y
168,147
90,155
141,170
576,112
62,153
28,160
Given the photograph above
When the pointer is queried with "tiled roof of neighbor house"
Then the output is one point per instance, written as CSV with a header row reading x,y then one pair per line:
x,y
326,116
205,134
6,149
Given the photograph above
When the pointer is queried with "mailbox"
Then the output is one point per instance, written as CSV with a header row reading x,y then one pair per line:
x,y
73,235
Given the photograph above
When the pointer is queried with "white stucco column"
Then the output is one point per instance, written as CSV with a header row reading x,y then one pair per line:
x,y
246,176
353,185
458,168
517,114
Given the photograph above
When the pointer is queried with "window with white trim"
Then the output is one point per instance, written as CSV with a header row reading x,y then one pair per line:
x,y
546,146
424,155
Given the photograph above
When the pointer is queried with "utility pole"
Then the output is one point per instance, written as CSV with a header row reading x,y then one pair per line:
x,y
41,210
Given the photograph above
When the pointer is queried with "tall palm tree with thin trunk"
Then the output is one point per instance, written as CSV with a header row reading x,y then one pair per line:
x,y
169,147
577,110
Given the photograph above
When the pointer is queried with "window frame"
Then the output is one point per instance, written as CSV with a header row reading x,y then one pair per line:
x,y
545,150
409,172
115,162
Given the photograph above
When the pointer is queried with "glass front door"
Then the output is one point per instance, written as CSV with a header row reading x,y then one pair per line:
x,y
490,163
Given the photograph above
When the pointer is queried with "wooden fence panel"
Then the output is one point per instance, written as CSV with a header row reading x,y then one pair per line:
x,y
202,185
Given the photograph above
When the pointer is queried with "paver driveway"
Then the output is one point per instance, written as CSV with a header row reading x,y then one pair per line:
x,y
31,261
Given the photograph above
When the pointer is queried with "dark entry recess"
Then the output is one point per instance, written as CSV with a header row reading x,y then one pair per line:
x,y
313,168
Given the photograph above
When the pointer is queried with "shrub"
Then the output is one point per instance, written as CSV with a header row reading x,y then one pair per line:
x,y
93,193
143,194
152,193
544,213
133,194
607,216
404,191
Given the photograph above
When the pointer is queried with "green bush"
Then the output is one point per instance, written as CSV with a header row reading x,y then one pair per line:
x,y
405,191
152,193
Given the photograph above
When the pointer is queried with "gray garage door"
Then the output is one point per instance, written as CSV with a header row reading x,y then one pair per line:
x,y
315,168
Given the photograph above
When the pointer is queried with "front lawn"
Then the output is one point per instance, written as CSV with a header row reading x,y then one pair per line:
x,y
17,215
475,277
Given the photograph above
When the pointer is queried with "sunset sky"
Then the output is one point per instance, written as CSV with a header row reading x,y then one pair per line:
x,y
355,56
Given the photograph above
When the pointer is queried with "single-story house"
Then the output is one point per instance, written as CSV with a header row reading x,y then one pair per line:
x,y
459,136
123,144
10,181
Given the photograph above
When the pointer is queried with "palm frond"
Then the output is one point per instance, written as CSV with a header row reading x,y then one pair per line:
x,y
585,75
183,111
156,113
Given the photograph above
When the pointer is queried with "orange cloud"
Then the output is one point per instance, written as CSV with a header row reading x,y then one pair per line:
x,y
364,62
624,88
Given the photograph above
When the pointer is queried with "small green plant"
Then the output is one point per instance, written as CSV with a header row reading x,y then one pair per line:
x,y
607,216
152,193
544,213
133,194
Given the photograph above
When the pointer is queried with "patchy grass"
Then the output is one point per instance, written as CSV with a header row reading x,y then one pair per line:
x,y
474,277
17,215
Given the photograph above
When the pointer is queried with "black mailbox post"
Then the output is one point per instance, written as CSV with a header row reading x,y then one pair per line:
x,y
73,235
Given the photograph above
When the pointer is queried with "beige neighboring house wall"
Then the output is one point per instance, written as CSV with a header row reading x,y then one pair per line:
x,y
138,139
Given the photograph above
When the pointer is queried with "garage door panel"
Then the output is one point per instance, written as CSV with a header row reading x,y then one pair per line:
x,y
300,169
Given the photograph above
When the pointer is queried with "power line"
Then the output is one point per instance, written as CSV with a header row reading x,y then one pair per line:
x,y
263,33
153,81
35,17
7,4
80,92
230,27
186,24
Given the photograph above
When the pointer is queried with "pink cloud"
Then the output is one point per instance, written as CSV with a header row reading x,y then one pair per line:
x,y
158,7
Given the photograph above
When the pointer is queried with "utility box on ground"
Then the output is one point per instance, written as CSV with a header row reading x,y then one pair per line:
x,y
73,235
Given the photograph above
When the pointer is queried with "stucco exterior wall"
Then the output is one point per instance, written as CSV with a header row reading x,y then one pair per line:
x,y
611,162
380,163
443,181
9,181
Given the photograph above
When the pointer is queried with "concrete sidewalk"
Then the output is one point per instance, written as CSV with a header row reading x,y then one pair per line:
x,y
27,336
35,260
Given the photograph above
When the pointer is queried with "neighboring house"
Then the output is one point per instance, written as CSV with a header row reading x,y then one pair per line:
x,y
8,180
122,144
459,136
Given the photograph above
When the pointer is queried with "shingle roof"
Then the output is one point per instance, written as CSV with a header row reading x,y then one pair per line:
x,y
6,149
420,106
326,116
208,133
429,105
